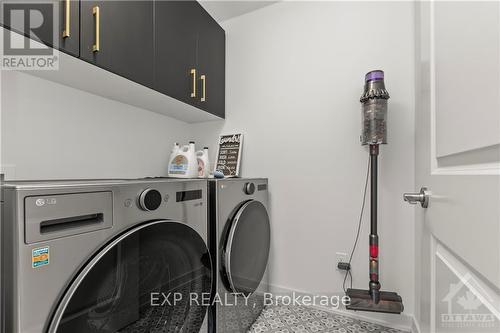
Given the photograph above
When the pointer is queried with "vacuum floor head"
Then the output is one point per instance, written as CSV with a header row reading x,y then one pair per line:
x,y
361,300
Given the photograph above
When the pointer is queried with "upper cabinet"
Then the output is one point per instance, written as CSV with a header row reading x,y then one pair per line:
x,y
174,48
118,36
190,55
65,34
211,52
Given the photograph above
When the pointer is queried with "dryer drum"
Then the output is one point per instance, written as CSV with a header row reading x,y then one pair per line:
x,y
247,248
112,292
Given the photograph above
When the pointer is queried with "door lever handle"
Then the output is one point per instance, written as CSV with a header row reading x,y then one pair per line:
x,y
423,197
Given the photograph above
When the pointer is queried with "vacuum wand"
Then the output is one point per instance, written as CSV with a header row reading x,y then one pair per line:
x,y
374,285
374,133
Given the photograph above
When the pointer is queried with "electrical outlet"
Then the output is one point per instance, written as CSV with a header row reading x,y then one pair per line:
x,y
341,257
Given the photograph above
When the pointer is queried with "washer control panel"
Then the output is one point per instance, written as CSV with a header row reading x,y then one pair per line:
x,y
150,199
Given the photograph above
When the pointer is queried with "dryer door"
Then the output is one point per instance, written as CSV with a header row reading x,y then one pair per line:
x,y
247,247
152,278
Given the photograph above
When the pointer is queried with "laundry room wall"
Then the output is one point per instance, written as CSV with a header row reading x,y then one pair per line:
x,y
51,131
295,73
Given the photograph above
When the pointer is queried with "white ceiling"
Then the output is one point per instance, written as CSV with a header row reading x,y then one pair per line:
x,y
224,10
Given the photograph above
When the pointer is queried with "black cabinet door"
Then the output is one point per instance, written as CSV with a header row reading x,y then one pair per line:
x,y
190,55
176,31
211,64
118,36
59,22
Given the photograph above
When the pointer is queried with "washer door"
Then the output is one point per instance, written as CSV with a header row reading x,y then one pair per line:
x,y
143,281
247,247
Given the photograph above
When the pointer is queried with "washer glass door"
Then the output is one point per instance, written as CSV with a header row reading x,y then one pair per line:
x,y
146,280
247,247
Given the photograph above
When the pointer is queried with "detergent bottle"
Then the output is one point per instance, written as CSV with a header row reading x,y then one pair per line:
x,y
173,153
184,164
203,163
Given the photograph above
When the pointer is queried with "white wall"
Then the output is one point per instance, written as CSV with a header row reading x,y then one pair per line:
x,y
294,77
50,131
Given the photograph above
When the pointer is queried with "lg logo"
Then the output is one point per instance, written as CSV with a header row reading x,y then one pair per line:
x,y
40,202
34,20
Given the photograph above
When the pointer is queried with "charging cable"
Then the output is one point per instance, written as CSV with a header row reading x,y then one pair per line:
x,y
348,271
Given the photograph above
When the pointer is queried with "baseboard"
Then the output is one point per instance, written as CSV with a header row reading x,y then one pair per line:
x,y
404,322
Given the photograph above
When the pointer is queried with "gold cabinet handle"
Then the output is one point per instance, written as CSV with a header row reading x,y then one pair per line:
x,y
96,13
193,92
203,87
66,32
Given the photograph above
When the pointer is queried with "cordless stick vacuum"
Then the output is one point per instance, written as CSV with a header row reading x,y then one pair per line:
x,y
374,133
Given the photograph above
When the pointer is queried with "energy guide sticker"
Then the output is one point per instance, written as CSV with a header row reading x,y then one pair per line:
x,y
40,257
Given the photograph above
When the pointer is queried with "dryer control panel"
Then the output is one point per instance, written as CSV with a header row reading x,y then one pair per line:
x,y
249,188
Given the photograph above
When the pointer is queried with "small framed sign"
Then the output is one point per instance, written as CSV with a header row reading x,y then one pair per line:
x,y
229,154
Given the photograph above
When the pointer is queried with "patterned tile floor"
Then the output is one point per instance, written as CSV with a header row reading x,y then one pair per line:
x,y
301,319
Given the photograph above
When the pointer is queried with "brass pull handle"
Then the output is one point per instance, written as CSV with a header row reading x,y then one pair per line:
x,y
204,87
66,32
96,13
193,92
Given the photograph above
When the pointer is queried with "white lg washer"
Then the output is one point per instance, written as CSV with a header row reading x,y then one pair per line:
x,y
105,256
240,244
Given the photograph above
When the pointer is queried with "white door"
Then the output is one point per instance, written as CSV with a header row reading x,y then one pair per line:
x,y
458,159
